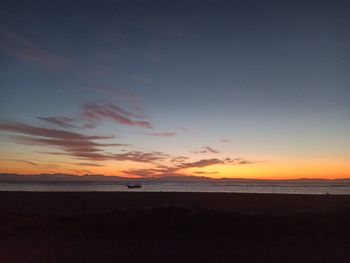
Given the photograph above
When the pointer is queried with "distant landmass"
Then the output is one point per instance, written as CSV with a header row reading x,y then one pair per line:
x,y
7,177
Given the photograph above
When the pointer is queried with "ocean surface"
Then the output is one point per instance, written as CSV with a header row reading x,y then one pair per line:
x,y
333,187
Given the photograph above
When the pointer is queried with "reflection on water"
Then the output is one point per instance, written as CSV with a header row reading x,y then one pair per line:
x,y
229,187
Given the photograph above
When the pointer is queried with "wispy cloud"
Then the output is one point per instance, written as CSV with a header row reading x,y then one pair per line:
x,y
17,127
23,50
60,121
164,170
225,140
90,164
205,173
161,134
22,161
206,149
96,112
179,159
73,143
239,161
68,144
138,156
134,156
91,150
200,163
180,163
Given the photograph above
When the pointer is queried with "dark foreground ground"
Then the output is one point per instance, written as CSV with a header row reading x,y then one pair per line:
x,y
173,227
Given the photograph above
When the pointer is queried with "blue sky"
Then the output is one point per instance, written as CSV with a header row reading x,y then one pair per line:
x,y
264,81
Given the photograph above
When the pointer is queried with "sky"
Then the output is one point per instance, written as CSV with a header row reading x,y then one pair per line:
x,y
237,89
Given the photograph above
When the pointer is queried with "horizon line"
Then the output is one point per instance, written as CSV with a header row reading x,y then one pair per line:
x,y
174,177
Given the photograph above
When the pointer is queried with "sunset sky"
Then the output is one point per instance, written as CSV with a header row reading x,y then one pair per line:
x,y
240,89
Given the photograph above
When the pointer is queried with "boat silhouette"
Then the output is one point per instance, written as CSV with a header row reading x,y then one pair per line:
x,y
133,186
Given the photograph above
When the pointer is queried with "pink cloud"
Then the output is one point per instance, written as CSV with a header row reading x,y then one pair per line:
x,y
200,163
22,128
91,149
179,159
137,156
23,50
206,149
97,112
90,164
160,134
180,163
238,161
76,144
60,121
72,143
205,173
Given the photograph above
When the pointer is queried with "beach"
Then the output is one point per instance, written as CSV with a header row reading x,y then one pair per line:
x,y
173,227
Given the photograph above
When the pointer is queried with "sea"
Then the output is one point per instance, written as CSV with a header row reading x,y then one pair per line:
x,y
284,187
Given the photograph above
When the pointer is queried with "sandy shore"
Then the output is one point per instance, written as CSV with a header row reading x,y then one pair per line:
x,y
173,227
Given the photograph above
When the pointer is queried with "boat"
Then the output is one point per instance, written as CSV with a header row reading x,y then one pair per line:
x,y
133,186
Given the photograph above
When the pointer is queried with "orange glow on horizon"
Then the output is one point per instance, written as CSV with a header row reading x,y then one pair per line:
x,y
265,170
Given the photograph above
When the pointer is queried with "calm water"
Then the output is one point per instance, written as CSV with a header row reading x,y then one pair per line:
x,y
229,187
